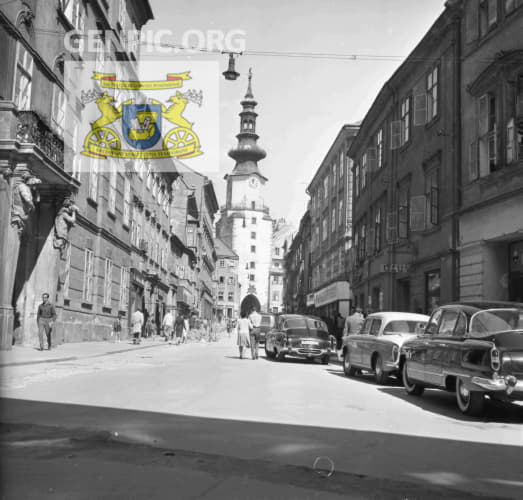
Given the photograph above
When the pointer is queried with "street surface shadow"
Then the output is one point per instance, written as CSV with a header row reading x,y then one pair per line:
x,y
367,378
444,403
259,450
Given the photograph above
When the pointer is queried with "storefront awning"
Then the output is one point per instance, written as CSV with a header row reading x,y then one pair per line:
x,y
339,290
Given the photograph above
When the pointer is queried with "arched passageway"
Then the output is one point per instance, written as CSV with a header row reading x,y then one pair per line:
x,y
248,303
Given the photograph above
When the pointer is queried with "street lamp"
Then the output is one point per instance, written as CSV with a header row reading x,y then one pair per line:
x,y
231,73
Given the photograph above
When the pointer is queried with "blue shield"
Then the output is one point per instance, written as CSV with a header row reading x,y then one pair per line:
x,y
142,124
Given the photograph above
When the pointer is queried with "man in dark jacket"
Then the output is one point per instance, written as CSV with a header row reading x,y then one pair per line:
x,y
45,318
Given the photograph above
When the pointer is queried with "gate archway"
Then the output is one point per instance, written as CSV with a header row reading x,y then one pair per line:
x,y
248,303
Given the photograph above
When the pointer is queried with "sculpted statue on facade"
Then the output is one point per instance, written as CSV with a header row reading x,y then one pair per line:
x,y
24,199
64,221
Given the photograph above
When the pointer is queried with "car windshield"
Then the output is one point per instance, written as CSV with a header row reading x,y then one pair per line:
x,y
490,321
401,326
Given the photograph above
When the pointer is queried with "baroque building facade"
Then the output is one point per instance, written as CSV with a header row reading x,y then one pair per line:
x,y
491,220
228,287
331,226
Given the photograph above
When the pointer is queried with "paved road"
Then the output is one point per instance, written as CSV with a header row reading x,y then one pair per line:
x,y
202,398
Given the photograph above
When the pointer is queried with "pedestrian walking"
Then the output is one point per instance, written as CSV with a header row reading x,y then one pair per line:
x,y
185,329
117,328
243,328
168,325
339,321
149,327
353,322
179,327
45,318
255,319
229,327
136,325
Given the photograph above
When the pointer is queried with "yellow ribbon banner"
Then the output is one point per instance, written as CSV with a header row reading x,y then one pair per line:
x,y
172,81
188,151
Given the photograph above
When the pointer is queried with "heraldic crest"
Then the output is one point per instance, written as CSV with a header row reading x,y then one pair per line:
x,y
140,121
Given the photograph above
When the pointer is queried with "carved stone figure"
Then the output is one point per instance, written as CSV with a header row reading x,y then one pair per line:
x,y
64,221
24,199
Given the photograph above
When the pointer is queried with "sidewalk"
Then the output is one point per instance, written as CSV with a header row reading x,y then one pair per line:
x,y
28,355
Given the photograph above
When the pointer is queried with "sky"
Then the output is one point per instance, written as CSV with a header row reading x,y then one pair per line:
x,y
302,101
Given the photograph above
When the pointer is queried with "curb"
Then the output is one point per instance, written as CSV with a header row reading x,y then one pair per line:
x,y
76,358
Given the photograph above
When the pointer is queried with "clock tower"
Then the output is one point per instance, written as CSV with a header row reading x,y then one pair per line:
x,y
245,223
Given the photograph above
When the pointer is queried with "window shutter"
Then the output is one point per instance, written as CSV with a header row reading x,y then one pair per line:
x,y
370,243
392,227
418,206
483,114
395,134
509,141
473,161
372,159
420,109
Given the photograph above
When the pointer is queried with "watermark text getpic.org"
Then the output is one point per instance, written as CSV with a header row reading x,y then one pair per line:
x,y
193,40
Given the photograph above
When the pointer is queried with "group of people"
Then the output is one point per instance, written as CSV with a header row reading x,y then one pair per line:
x,y
248,332
173,328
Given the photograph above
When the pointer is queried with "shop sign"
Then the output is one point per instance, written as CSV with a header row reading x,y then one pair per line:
x,y
339,290
395,268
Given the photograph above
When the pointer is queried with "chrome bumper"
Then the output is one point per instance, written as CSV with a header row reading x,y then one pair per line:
x,y
304,352
498,384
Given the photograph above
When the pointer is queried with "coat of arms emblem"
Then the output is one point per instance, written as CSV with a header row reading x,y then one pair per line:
x,y
141,127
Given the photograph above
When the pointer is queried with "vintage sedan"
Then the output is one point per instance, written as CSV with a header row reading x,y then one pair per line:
x,y
377,346
300,336
474,349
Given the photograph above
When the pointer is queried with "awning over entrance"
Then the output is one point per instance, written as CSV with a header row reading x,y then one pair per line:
x,y
339,290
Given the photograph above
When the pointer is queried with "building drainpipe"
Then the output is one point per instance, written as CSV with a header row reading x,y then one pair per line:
x,y
392,194
457,163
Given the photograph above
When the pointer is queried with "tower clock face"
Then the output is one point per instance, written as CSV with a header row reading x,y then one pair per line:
x,y
253,182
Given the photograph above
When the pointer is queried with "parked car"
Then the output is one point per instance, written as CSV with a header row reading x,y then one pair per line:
x,y
471,348
377,346
299,336
267,324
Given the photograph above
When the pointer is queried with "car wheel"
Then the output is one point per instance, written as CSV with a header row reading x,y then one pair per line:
x,y
469,402
348,369
380,375
411,388
325,360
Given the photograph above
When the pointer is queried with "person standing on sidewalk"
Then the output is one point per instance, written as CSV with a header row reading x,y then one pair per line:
x,y
255,319
45,318
353,322
179,327
185,329
117,328
137,325
168,325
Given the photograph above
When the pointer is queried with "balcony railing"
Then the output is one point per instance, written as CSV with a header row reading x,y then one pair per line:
x,y
31,129
258,207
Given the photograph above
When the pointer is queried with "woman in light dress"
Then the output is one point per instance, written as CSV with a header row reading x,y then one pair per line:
x,y
243,329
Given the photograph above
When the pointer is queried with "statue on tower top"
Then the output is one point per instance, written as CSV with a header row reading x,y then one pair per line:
x,y
249,88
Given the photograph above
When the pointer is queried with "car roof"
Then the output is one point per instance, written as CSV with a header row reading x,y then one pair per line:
x,y
291,316
397,315
477,305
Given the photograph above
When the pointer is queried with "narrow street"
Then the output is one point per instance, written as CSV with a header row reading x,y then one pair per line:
x,y
200,399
